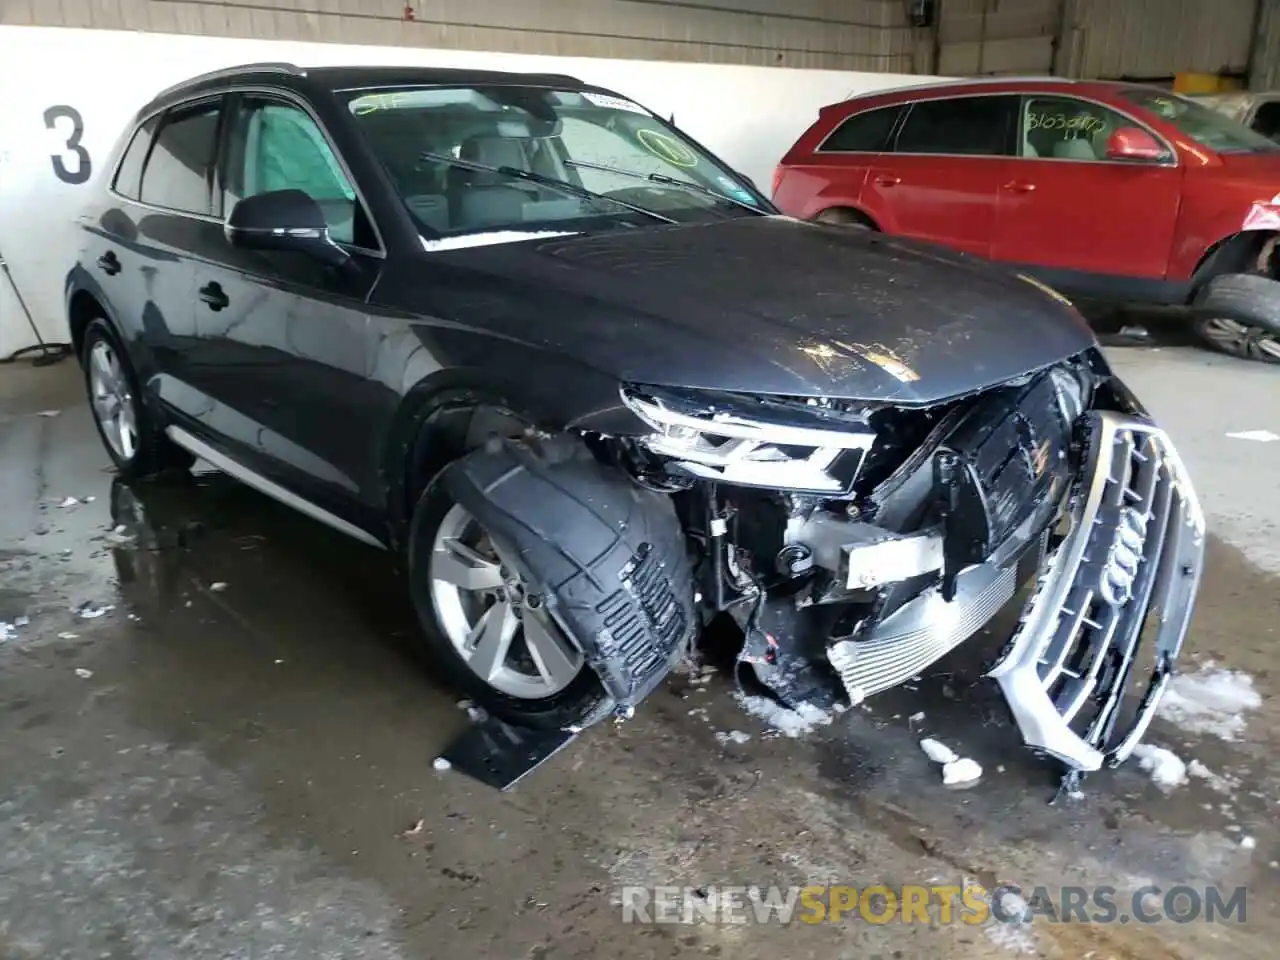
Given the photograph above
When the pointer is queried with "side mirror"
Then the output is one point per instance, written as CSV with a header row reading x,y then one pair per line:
x,y
283,220
1134,143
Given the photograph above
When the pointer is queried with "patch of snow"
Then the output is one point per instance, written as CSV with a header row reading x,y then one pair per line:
x,y
218,587
1165,767
1258,436
916,717
440,763
22,621
1247,843
955,768
961,770
68,502
1221,784
48,413
1013,937
7,631
1210,701
68,636
790,723
733,736
84,674
938,752
90,612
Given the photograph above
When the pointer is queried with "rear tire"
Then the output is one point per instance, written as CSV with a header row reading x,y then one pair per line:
x,y
134,440
553,689
1239,314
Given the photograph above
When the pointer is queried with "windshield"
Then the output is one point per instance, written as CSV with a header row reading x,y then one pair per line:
x,y
534,160
1204,125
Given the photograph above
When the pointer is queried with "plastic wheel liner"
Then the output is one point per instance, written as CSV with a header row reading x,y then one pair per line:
x,y
610,555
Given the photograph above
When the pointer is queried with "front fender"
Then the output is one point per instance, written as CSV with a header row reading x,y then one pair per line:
x,y
421,438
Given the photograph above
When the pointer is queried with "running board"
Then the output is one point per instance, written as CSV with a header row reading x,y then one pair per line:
x,y
270,488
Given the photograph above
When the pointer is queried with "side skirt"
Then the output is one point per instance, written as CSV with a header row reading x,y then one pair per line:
x,y
272,489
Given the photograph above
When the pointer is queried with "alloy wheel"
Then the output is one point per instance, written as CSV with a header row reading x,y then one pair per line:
x,y
497,623
112,400
1242,340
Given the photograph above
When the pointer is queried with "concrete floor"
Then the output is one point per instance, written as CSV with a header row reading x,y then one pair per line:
x,y
230,773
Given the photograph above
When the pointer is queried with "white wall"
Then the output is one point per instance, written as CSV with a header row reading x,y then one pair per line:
x,y
747,115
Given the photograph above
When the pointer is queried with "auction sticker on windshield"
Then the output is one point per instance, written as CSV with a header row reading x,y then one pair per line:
x,y
613,103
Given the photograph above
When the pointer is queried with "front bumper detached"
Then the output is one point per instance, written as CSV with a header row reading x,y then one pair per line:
x,y
1119,589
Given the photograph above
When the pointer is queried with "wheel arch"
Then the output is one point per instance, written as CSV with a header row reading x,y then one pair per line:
x,y
1237,252
850,211
452,411
84,305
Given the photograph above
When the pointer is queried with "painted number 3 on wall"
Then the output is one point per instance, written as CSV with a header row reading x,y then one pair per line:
x,y
73,152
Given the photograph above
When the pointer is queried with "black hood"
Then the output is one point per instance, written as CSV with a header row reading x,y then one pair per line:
x,y
771,305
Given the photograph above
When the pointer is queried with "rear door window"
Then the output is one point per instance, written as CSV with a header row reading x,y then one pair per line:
x,y
960,126
866,132
179,172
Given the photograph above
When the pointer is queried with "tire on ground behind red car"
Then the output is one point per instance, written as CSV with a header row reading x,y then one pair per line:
x,y
1239,314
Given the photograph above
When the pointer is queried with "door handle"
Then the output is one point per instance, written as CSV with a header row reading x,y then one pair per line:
x,y
888,181
1020,186
213,295
109,263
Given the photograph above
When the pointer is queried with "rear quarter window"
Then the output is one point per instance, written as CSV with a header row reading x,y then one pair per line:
x,y
866,132
128,177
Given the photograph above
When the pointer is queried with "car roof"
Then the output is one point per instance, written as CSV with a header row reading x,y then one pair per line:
x,y
988,85
359,77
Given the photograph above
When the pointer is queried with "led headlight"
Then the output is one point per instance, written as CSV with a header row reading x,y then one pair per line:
x,y
731,446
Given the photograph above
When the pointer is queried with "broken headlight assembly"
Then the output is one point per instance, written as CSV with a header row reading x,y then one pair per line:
x,y
738,440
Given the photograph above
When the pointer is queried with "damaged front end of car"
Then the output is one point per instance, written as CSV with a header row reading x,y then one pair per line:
x,y
864,541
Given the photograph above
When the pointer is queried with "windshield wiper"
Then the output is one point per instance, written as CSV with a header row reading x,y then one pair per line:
x,y
663,179
515,173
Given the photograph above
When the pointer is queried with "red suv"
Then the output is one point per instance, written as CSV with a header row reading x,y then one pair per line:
x,y
1107,191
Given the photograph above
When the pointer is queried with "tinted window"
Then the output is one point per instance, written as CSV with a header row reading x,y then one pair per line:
x,y
277,146
129,173
863,132
1068,129
963,125
1267,120
177,173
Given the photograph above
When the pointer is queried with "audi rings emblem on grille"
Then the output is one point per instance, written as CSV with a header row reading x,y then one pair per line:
x,y
1121,568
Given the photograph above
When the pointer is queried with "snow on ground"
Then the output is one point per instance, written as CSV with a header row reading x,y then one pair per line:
x,y
1166,768
1210,701
790,723
1222,784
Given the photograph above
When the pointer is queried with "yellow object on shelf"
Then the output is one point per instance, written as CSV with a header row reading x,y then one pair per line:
x,y
1204,83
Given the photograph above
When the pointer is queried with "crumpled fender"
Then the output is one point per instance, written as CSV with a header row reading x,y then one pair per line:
x,y
609,555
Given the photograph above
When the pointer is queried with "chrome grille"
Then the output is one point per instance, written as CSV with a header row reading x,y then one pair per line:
x,y
1126,572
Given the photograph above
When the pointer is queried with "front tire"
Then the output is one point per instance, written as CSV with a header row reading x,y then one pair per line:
x,y
134,441
487,628
1239,314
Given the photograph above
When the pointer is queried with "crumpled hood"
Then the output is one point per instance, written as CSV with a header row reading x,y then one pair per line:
x,y
778,306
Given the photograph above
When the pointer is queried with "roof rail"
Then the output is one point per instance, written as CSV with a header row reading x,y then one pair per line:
x,y
266,67
958,81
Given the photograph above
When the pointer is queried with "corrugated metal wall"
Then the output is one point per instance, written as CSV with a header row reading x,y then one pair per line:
x,y
997,36
828,34
1265,74
1158,38
1099,38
